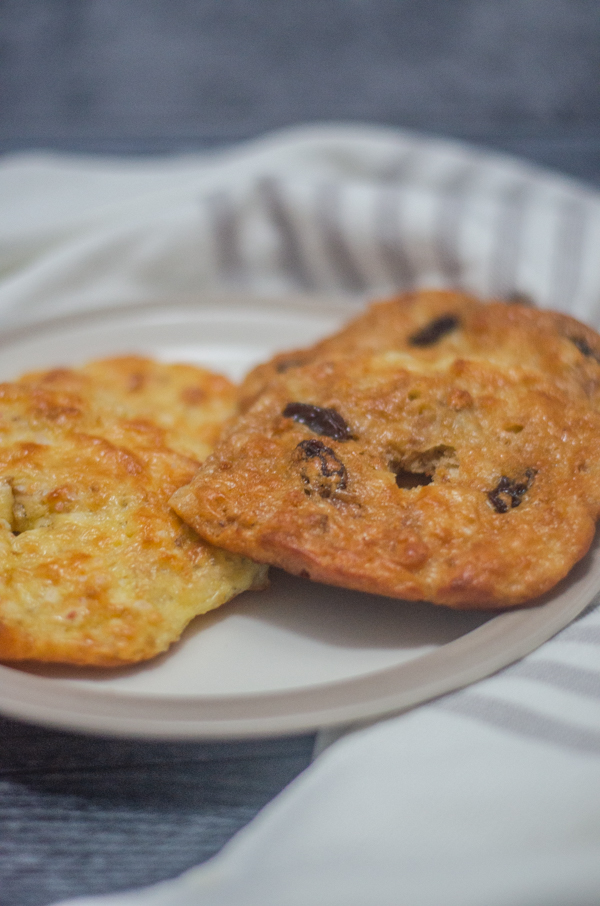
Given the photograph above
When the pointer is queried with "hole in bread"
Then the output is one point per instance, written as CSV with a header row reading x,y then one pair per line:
x,y
21,510
19,519
409,480
417,469
514,429
6,504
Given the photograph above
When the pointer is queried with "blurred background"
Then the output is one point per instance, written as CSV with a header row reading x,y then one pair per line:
x,y
146,76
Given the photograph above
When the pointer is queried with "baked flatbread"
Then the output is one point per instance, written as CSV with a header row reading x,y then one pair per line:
x,y
437,448
430,325
95,566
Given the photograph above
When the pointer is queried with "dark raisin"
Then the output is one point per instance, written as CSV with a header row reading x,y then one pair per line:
x,y
434,331
508,493
584,347
497,496
322,472
286,364
518,298
327,422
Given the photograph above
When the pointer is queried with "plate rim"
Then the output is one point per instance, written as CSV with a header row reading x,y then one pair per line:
x,y
506,636
17,329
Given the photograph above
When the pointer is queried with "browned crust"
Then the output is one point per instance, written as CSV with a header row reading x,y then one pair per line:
x,y
96,568
542,339
508,396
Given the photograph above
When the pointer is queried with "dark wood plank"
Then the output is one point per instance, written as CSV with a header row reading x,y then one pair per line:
x,y
81,815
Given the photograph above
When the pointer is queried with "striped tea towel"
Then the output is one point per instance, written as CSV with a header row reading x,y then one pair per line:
x,y
489,796
330,209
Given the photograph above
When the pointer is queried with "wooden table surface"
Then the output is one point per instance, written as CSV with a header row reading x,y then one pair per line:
x,y
82,815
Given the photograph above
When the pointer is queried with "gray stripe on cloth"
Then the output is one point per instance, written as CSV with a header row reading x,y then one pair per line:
x,y
504,264
522,721
389,227
328,211
578,680
391,239
292,259
568,252
588,635
454,197
226,233
400,169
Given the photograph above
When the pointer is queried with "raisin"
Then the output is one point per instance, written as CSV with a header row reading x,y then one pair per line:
x,y
584,347
327,422
518,298
322,472
508,493
287,364
434,331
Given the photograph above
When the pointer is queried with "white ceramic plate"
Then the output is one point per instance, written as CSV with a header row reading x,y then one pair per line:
x,y
299,656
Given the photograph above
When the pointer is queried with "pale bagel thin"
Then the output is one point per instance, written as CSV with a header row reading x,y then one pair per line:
x,y
96,568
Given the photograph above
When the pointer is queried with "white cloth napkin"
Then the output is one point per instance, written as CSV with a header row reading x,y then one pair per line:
x,y
487,797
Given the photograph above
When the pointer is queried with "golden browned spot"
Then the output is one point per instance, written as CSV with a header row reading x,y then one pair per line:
x,y
458,399
61,499
28,449
193,396
136,381
413,553
57,413
56,375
